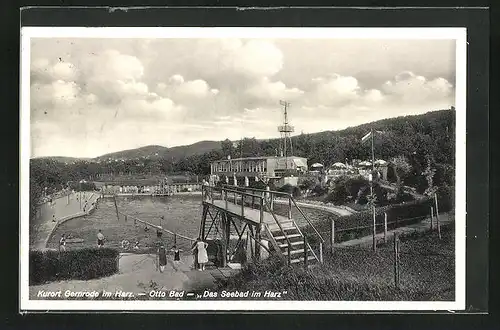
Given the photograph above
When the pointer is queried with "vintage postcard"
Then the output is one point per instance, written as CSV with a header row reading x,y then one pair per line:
x,y
243,169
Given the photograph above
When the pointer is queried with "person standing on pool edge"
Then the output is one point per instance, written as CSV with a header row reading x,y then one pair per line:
x,y
162,258
202,253
100,239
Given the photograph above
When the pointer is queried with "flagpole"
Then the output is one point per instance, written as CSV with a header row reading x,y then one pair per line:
x,y
373,155
374,243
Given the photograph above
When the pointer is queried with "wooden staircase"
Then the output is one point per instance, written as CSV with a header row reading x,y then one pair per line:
x,y
287,236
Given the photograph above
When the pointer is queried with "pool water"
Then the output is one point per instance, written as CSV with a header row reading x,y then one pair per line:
x,y
182,214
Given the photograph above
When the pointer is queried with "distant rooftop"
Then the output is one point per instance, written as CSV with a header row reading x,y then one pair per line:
x,y
261,157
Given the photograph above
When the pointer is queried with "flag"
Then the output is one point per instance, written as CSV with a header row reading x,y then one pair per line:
x,y
366,137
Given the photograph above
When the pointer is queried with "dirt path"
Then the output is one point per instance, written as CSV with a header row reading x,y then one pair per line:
x,y
327,208
424,225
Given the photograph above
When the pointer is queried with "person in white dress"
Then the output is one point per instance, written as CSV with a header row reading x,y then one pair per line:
x,y
202,253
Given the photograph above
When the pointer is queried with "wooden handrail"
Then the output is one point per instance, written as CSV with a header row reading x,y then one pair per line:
x,y
235,191
279,225
307,219
256,241
274,192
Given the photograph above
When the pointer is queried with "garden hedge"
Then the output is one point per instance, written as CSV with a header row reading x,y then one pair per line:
x,y
81,264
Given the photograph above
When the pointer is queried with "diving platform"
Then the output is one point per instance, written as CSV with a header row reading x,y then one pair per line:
x,y
258,227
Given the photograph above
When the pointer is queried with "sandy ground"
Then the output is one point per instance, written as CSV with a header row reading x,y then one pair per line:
x,y
138,273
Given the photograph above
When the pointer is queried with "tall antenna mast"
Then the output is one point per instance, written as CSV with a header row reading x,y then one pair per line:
x,y
285,131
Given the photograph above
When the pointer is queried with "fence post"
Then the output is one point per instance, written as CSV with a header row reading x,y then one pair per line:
x,y
396,261
374,230
432,218
437,215
332,238
305,252
225,198
321,252
385,227
289,207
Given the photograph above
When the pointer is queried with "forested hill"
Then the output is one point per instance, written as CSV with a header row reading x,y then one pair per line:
x,y
160,152
415,137
430,133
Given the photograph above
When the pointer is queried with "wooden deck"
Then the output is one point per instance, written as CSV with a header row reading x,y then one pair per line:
x,y
249,214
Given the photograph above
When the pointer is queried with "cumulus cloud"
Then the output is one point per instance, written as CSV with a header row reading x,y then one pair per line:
x,y
265,89
410,87
58,94
44,70
185,91
237,57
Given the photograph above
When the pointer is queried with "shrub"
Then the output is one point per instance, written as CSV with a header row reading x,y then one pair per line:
x,y
308,183
319,190
446,198
288,188
82,264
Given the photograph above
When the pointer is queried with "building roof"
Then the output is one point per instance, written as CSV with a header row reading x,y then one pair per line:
x,y
258,158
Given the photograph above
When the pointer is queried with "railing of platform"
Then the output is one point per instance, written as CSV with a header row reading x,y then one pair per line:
x,y
228,194
270,197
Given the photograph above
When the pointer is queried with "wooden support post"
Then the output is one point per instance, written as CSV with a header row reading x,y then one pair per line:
x,y
253,201
289,255
258,230
374,230
262,209
225,198
332,238
385,227
306,250
321,252
437,215
242,207
224,240
432,218
289,207
396,261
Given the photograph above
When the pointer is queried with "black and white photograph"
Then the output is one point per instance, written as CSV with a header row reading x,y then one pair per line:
x,y
243,168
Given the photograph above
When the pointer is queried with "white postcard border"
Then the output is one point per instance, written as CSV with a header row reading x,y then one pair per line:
x,y
458,34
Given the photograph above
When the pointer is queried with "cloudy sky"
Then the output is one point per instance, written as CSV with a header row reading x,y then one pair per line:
x,y
93,96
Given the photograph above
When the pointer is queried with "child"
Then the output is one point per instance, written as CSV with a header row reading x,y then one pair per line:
x,y
162,258
100,239
62,243
177,257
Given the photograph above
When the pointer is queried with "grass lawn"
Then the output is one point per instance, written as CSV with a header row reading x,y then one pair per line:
x,y
427,272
